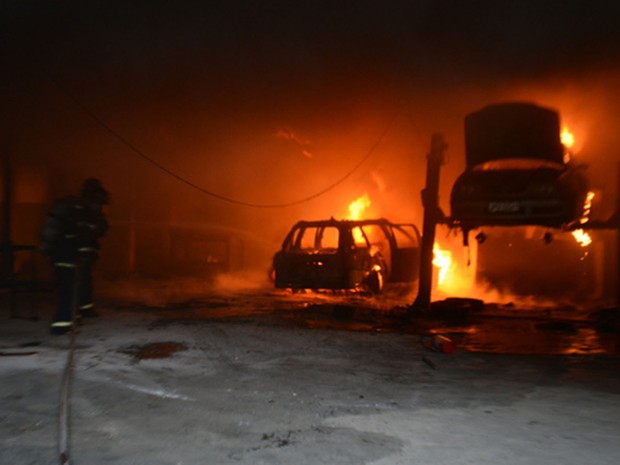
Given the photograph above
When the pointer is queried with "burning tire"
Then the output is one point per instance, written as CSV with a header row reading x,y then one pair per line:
x,y
375,281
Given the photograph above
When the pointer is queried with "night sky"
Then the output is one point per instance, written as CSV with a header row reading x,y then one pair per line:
x,y
267,103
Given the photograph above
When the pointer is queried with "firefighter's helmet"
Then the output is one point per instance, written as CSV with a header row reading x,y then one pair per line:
x,y
93,189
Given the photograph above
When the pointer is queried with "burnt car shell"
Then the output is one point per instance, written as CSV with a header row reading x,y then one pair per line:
x,y
516,174
347,254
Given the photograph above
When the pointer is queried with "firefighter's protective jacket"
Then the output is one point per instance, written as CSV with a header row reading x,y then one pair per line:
x,y
72,230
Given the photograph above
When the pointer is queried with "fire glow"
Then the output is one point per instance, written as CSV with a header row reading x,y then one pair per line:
x,y
454,268
582,237
567,138
356,211
358,206
442,260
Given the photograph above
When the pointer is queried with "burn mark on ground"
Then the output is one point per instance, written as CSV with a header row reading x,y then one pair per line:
x,y
280,440
154,350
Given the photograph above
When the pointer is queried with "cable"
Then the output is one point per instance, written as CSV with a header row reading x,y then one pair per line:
x,y
180,178
63,410
63,414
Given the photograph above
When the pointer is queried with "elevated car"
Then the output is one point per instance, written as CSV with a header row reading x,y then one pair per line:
x,y
362,255
517,172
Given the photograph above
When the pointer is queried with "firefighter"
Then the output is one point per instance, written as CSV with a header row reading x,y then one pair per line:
x,y
70,238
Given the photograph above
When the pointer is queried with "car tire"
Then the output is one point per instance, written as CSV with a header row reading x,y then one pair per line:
x,y
374,282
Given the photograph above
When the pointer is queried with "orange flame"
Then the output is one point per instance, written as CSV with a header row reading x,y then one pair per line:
x,y
567,138
582,237
587,207
442,259
356,210
455,268
568,141
357,207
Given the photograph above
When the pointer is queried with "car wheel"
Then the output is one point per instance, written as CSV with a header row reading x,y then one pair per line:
x,y
375,281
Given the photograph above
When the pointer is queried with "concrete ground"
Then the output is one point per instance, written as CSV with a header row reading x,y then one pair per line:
x,y
260,377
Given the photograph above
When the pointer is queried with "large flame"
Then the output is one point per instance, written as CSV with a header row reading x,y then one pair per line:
x,y
582,237
356,211
358,206
442,260
455,268
568,141
567,138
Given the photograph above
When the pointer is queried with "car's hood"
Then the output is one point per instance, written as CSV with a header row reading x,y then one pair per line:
x,y
512,130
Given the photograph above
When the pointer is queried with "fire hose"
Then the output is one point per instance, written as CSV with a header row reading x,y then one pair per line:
x,y
63,413
63,416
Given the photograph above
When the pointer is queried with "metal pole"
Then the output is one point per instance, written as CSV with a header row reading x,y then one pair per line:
x,y
6,212
430,202
617,226
7,246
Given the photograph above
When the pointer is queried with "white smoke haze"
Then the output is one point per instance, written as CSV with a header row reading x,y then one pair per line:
x,y
164,292
253,131
250,165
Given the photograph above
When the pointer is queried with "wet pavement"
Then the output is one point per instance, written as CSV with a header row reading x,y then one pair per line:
x,y
472,325
257,376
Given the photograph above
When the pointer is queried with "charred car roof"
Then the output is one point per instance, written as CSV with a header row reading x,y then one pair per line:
x,y
335,222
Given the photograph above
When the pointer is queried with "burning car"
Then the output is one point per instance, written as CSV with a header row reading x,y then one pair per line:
x,y
361,255
517,172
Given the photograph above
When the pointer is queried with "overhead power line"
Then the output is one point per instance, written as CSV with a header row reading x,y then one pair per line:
x,y
193,185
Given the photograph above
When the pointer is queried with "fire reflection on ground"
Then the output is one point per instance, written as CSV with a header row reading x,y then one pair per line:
x,y
491,328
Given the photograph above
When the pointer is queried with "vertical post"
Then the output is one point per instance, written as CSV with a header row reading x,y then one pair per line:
x,y
7,246
430,202
131,232
6,211
617,226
